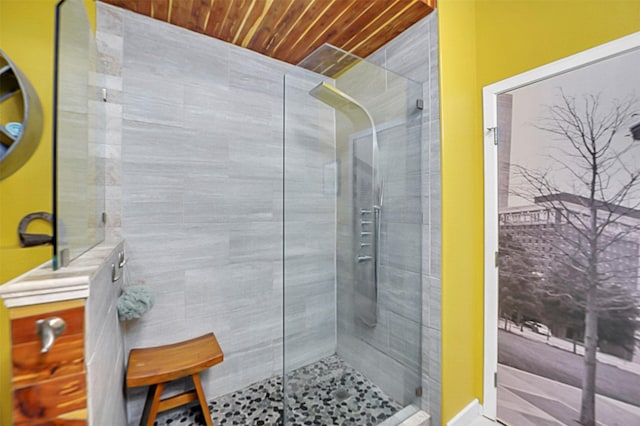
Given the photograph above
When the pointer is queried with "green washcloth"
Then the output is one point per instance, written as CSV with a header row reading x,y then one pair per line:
x,y
134,302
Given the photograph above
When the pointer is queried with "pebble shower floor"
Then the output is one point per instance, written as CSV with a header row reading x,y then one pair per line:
x,y
327,392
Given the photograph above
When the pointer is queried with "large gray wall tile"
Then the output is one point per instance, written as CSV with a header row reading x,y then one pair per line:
x,y
197,126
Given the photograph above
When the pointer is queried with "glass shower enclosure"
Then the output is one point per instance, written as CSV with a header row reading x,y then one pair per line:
x,y
79,162
352,211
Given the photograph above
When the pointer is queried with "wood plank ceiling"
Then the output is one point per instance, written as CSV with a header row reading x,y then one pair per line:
x,y
289,30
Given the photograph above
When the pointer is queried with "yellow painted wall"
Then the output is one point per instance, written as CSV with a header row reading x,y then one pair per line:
x,y
27,37
461,208
5,368
481,42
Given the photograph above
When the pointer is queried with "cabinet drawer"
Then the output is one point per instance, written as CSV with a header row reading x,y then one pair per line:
x,y
65,358
48,402
23,330
57,422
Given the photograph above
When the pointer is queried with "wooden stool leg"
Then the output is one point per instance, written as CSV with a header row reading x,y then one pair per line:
x,y
151,405
202,399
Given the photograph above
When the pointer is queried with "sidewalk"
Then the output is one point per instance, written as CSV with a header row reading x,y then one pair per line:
x,y
525,399
568,346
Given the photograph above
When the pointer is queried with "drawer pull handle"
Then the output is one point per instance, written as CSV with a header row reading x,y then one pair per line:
x,y
49,329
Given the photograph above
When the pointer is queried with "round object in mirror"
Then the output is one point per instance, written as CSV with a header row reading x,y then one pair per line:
x,y
14,128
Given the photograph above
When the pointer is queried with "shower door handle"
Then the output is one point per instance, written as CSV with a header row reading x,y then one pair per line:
x,y
376,245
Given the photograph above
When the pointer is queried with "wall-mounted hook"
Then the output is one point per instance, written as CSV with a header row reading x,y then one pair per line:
x,y
122,260
30,240
114,273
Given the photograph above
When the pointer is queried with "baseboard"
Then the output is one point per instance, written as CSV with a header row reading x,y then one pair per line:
x,y
420,418
408,416
467,415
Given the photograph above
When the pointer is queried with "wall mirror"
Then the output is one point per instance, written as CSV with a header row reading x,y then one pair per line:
x,y
21,122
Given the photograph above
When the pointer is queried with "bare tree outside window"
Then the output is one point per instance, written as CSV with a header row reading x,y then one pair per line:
x,y
584,272
584,276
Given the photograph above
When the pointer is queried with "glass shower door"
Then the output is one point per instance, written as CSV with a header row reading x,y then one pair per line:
x,y
352,242
309,274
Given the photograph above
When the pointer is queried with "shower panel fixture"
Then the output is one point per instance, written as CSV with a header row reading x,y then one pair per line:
x,y
367,217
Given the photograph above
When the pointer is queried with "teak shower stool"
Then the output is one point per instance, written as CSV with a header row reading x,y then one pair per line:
x,y
155,367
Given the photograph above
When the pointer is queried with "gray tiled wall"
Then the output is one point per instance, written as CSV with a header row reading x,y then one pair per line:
x,y
414,54
104,349
195,186
194,166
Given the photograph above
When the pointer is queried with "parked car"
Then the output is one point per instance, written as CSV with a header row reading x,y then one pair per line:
x,y
541,329
538,327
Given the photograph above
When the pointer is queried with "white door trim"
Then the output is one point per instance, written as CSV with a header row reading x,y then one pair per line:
x,y
490,94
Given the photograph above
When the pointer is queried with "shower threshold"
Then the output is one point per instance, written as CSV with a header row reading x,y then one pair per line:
x,y
327,392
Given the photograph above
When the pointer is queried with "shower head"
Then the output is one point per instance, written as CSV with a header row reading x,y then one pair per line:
x,y
359,115
332,96
339,100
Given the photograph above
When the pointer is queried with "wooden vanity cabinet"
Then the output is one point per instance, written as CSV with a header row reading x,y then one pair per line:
x,y
48,388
